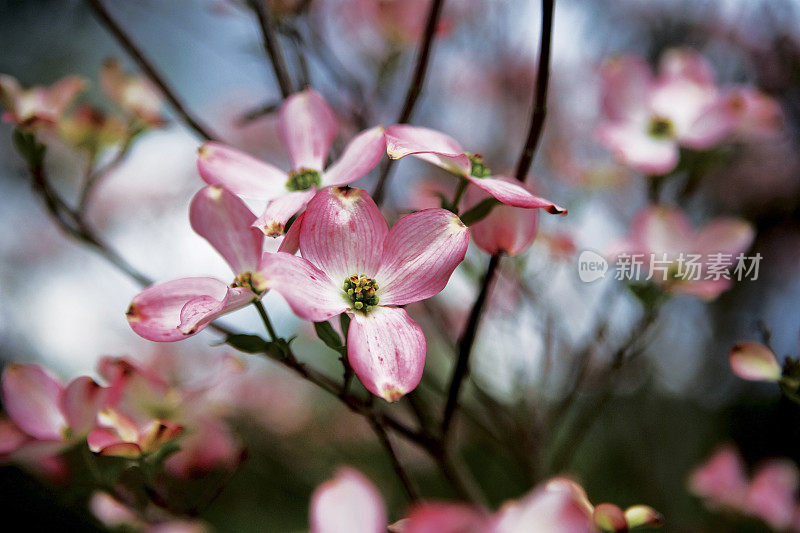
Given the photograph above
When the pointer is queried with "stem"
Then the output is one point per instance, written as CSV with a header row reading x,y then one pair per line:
x,y
272,46
462,186
405,479
95,177
465,343
125,41
414,88
540,93
265,319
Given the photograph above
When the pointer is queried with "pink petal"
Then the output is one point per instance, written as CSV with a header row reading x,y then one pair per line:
x,y
110,512
661,229
772,493
754,361
239,172
553,508
349,503
725,235
446,518
632,146
626,82
705,289
343,233
387,351
709,128
756,114
101,438
130,450
359,157
307,127
202,310
506,229
280,210
80,403
721,479
512,192
11,437
226,222
157,312
31,397
429,145
309,291
291,239
419,255
685,64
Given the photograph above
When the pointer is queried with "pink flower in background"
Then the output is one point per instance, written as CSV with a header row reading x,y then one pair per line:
x,y
307,127
666,233
37,106
135,95
350,503
647,118
47,416
769,495
445,152
173,310
755,362
505,229
121,436
755,114
352,262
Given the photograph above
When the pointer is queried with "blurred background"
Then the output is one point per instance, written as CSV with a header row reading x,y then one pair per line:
x,y
63,306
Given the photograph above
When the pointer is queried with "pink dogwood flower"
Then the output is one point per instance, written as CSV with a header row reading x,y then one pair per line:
x,y
47,416
134,94
351,503
665,235
37,106
443,151
647,118
769,495
307,127
353,263
174,310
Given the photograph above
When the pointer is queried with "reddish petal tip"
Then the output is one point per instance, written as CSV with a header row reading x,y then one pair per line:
x,y
392,394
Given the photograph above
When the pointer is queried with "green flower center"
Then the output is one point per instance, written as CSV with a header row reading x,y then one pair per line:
x,y
303,179
478,169
362,292
660,128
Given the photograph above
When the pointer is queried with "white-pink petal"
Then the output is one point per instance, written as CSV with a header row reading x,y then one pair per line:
x,y
755,362
420,254
359,157
626,81
726,235
307,126
82,399
429,145
227,223
309,291
632,146
240,173
343,233
512,192
157,313
349,503
387,351
278,211
506,229
32,398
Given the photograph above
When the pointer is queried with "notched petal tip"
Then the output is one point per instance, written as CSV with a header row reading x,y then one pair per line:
x,y
392,394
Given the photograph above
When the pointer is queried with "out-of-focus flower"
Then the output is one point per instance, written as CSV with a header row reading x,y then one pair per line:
x,y
445,152
351,503
769,495
174,310
47,416
90,129
505,229
121,436
401,22
647,119
37,106
352,262
135,95
307,127
665,234
755,362
755,114
114,514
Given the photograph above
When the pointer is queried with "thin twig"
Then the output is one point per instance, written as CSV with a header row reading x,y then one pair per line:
x,y
129,46
95,177
272,46
405,479
414,89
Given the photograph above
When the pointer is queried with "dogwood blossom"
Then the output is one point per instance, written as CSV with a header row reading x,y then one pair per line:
x,y
37,106
353,263
307,127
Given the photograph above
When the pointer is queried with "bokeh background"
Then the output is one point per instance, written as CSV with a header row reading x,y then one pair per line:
x,y
62,305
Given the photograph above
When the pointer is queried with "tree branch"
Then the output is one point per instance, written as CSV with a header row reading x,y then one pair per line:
x,y
414,89
272,46
125,41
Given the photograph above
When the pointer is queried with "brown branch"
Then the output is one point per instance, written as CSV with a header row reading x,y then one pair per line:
x,y
405,479
414,89
272,46
131,48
